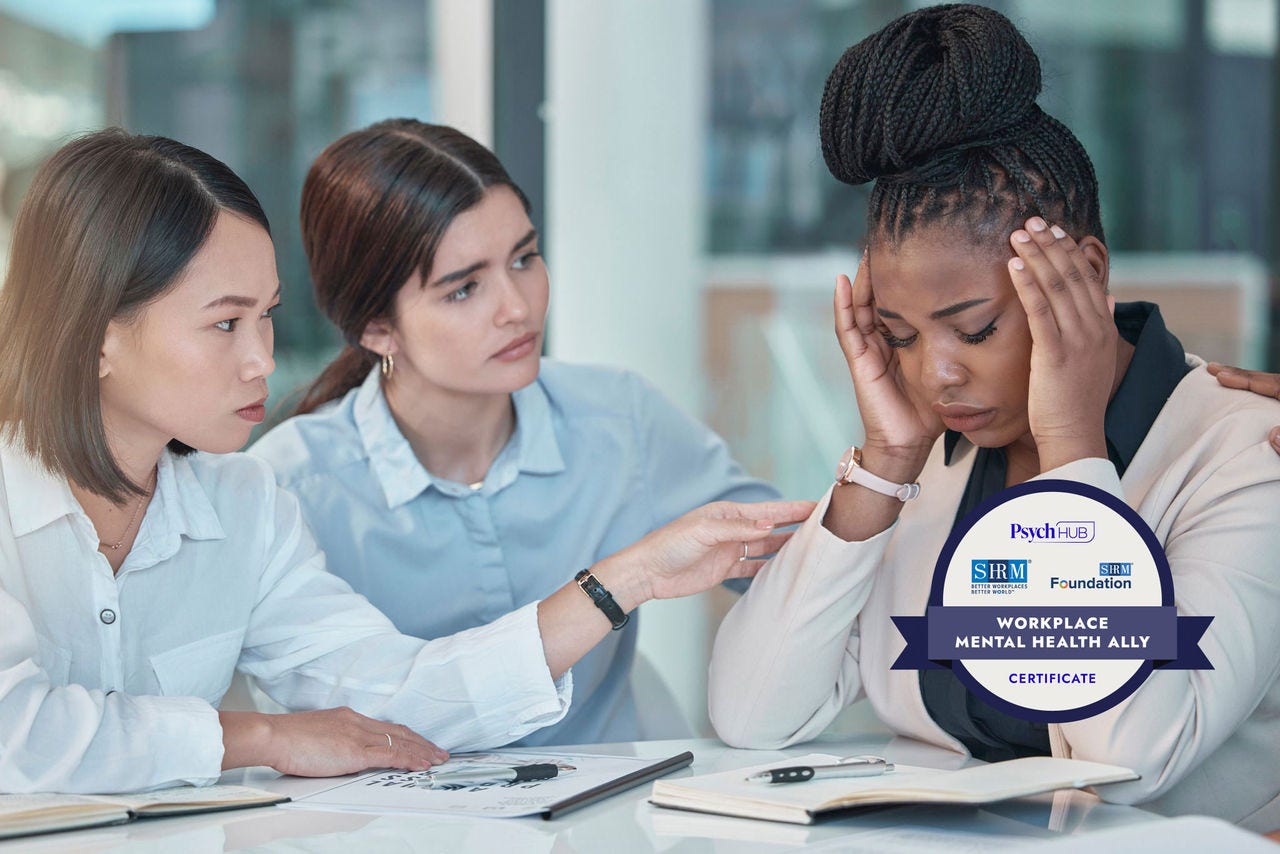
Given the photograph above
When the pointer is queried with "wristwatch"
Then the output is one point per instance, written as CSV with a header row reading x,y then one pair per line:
x,y
850,470
603,598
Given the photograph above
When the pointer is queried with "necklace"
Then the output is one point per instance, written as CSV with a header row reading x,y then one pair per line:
x,y
115,547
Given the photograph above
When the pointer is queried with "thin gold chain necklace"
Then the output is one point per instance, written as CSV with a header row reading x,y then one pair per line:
x,y
115,547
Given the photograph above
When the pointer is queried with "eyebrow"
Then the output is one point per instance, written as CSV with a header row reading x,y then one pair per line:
x,y
237,301
458,275
940,313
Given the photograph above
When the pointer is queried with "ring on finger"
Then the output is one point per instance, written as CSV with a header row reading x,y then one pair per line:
x,y
750,557
390,746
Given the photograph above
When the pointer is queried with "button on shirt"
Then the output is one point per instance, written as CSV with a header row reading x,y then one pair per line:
x,y
598,459
108,682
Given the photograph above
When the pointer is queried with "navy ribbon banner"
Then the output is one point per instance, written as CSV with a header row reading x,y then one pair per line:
x,y
1150,633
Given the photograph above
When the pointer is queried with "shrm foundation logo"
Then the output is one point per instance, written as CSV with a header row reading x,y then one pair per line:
x,y
1004,575
1058,532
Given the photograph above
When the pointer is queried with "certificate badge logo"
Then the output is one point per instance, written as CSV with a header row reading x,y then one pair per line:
x,y
1069,628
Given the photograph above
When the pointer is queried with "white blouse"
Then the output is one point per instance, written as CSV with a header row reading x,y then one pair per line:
x,y
108,683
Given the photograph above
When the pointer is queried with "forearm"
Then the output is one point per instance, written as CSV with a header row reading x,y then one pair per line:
x,y
785,657
571,624
246,739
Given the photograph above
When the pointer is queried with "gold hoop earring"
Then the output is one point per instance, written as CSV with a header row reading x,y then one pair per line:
x,y
388,366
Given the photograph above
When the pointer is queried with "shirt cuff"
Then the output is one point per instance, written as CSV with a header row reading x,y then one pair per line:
x,y
1095,471
822,535
184,739
526,673
822,556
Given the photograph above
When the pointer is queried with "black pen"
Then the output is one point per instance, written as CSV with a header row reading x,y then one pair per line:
x,y
514,774
803,773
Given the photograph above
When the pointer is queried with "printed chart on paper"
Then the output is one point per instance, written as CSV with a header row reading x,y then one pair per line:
x,y
411,792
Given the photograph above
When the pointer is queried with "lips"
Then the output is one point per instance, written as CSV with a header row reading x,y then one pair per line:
x,y
964,418
254,412
518,348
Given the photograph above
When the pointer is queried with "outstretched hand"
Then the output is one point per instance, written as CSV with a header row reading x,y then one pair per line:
x,y
1074,338
702,548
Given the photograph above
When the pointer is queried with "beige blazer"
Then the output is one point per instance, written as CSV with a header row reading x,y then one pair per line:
x,y
813,633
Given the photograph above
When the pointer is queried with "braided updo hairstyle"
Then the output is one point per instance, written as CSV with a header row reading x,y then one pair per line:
x,y
939,109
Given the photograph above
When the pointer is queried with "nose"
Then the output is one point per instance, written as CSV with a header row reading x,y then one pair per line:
x,y
513,306
939,370
256,361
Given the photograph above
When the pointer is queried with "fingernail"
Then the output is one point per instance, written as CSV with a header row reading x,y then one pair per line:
x,y
1057,232
1036,224
1022,237
1214,366
1017,264
764,524
1275,441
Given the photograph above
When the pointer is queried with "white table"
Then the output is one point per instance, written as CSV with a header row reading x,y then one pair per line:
x,y
620,824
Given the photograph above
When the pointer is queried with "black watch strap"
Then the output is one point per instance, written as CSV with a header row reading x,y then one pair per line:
x,y
603,598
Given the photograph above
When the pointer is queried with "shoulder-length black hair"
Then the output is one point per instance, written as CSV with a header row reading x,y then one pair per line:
x,y
110,222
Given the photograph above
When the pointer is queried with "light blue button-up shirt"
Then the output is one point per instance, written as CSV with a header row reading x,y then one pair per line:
x,y
598,459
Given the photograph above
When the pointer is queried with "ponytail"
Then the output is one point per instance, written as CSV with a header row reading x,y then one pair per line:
x,y
339,377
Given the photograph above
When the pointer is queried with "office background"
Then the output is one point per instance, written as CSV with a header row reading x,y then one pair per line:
x,y
669,148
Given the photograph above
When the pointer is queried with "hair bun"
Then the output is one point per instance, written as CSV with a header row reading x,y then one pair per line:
x,y
929,84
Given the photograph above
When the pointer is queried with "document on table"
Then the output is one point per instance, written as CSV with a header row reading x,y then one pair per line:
x,y
411,792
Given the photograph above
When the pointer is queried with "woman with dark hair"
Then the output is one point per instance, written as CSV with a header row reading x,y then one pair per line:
x,y
985,352
137,575
450,473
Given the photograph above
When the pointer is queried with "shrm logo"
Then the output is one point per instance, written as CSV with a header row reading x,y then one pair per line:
x,y
999,571
1061,532
1113,569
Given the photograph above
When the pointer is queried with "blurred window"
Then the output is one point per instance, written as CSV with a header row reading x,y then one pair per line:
x,y
263,85
1172,99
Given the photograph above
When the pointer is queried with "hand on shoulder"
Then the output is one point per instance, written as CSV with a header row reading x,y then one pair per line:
x,y
1267,385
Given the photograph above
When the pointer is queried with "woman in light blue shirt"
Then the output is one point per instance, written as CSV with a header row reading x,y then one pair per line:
x,y
451,475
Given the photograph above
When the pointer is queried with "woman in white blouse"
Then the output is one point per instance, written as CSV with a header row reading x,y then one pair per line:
x,y
137,575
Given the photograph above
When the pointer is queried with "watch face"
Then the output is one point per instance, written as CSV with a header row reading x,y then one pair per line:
x,y
846,463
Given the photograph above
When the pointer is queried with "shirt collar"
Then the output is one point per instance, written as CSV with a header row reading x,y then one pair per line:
x,y
37,496
539,450
181,506
392,460
1158,365
533,447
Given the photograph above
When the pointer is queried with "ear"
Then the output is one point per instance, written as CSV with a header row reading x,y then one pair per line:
x,y
1095,252
378,337
111,343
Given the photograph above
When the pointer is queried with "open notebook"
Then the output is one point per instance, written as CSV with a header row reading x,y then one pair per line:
x,y
728,792
22,815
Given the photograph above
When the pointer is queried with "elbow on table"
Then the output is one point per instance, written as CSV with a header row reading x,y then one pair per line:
x,y
737,727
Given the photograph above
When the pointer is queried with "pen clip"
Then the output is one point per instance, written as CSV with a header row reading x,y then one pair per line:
x,y
863,759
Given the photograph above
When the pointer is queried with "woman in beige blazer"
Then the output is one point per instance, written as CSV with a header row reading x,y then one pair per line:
x,y
985,351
